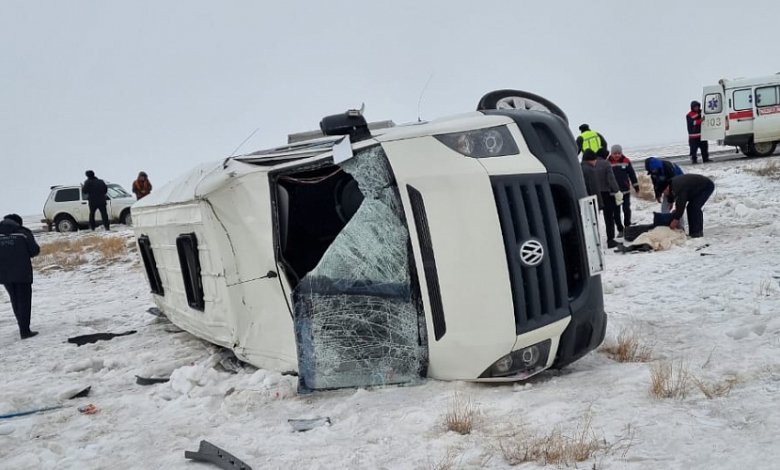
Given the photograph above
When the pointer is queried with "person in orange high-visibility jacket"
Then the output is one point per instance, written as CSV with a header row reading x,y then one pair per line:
x,y
142,187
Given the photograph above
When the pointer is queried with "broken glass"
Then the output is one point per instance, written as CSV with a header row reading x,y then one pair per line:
x,y
358,321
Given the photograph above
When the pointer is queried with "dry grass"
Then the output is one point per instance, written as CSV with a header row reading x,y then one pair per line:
x,y
447,462
629,348
646,190
560,447
766,288
769,169
461,415
670,380
713,390
71,253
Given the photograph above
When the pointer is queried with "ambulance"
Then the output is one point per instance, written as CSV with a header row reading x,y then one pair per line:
x,y
743,113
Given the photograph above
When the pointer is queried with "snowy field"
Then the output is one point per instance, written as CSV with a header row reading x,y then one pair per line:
x,y
710,307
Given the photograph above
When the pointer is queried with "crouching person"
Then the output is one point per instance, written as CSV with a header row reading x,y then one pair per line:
x,y
17,247
689,192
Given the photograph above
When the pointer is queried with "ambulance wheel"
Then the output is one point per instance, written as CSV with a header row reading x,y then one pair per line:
x,y
764,149
518,99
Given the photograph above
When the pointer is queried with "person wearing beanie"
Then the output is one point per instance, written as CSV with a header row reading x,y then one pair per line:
x,y
589,139
694,119
95,191
626,179
607,189
661,172
17,248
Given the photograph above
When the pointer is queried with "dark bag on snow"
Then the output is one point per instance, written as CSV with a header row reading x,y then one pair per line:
x,y
633,231
662,219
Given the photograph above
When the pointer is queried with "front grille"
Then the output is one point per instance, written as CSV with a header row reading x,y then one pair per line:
x,y
526,211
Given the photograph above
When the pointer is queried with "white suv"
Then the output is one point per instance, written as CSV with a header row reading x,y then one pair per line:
x,y
66,208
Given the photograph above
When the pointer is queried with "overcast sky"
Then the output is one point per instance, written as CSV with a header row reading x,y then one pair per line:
x,y
162,85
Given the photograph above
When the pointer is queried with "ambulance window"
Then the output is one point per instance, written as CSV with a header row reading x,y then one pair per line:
x,y
713,103
743,99
767,96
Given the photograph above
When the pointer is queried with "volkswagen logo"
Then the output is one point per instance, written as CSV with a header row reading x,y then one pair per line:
x,y
531,253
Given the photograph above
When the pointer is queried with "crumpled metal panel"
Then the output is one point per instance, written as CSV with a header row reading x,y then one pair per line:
x,y
358,320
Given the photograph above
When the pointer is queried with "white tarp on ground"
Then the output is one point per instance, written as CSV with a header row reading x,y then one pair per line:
x,y
660,238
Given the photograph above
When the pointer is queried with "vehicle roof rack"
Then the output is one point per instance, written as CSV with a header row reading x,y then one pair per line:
x,y
318,134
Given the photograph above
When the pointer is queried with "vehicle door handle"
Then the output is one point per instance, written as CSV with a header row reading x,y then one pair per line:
x,y
83,203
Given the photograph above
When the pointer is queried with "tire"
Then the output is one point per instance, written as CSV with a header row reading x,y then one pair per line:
x,y
65,223
126,218
764,149
520,100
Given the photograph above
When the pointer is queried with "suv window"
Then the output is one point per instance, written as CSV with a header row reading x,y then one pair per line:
x,y
67,195
116,192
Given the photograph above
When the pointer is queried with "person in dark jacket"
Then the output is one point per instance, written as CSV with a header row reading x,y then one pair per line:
x,y
626,179
610,196
694,119
142,187
689,192
95,190
17,248
591,180
660,172
590,140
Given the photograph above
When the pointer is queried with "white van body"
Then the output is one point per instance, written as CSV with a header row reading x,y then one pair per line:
x,y
270,287
744,113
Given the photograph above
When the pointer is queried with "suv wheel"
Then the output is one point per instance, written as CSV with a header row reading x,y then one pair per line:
x,y
519,100
127,218
65,223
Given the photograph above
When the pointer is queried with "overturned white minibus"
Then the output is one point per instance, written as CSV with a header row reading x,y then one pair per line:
x,y
463,248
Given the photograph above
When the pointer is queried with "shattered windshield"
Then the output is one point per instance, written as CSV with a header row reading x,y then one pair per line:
x,y
358,318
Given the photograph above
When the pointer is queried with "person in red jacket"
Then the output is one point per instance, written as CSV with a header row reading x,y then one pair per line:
x,y
695,143
626,179
142,187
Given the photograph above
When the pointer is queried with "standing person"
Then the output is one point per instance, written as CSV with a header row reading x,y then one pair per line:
x,y
142,187
695,143
626,179
689,192
17,248
95,190
590,140
610,196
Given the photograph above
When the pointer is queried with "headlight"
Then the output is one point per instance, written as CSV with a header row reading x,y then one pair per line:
x,y
481,143
526,360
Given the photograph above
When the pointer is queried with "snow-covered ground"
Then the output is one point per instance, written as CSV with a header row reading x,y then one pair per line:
x,y
713,304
